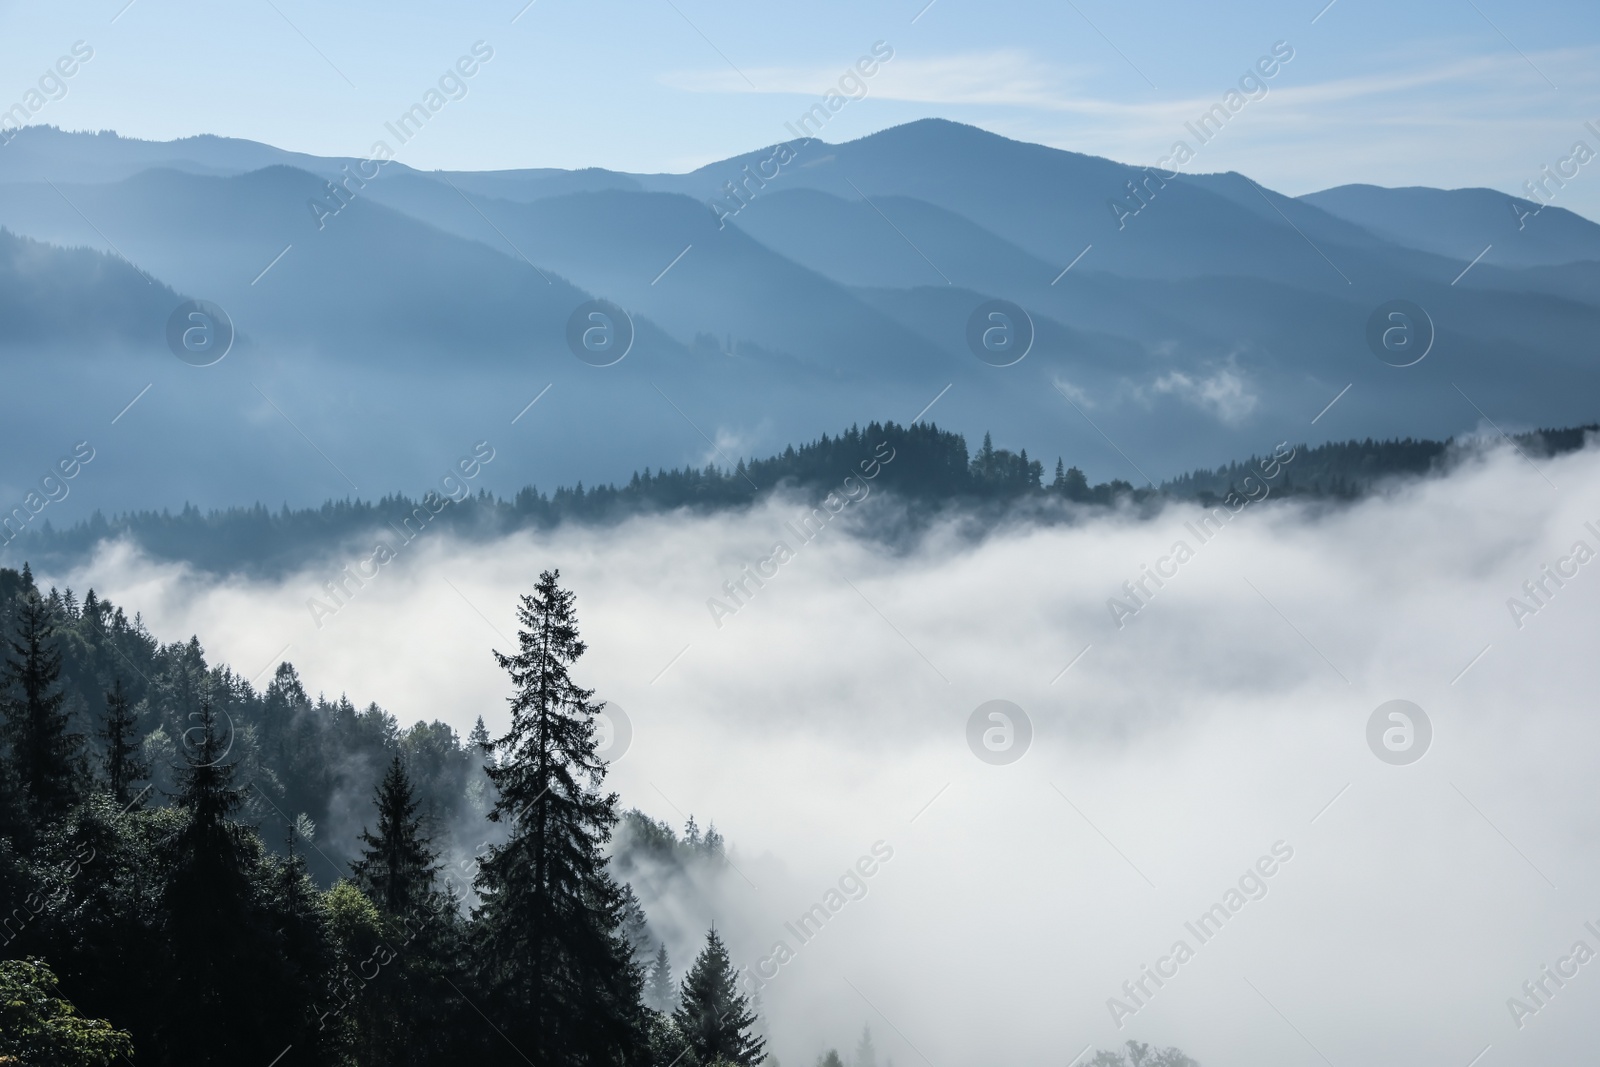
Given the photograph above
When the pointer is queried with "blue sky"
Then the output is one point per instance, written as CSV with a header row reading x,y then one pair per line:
x,y
1438,92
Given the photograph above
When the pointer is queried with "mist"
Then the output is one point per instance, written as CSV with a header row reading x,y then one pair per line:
x,y
827,719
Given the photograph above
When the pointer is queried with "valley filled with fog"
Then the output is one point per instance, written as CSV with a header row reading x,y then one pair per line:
x,y
825,713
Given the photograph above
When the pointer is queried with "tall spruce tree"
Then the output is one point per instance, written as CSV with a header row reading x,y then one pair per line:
x,y
866,1053
398,866
660,993
555,958
124,766
411,1010
636,928
714,1017
479,739
211,925
44,754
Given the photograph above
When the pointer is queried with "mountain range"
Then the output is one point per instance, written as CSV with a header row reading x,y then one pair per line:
x,y
387,323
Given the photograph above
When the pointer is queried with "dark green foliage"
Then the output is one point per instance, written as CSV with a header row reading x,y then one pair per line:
x,y
212,926
291,752
1346,470
40,1029
1070,483
714,1017
164,911
998,472
43,752
398,866
176,923
930,469
920,464
554,956
123,764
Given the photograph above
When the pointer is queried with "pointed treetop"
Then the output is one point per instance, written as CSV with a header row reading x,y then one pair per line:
x,y
714,1017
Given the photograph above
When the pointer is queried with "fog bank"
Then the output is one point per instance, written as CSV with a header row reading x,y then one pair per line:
x,y
825,719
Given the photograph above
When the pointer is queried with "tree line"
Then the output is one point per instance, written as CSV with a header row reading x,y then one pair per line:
x,y
151,917
933,471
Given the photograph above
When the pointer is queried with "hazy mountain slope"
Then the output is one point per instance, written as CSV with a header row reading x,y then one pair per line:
x,y
626,245
380,337
911,243
45,153
370,278
58,300
1463,222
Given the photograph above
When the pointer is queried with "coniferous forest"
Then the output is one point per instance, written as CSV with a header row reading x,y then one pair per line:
x,y
926,471
165,907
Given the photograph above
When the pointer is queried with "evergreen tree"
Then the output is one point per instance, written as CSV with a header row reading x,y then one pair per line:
x,y
479,740
212,932
984,463
124,765
714,848
636,929
397,868
866,1055
555,958
659,992
43,753
409,1013
714,1017
1075,485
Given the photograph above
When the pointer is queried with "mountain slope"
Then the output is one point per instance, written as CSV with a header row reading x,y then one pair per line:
x,y
382,333
1463,222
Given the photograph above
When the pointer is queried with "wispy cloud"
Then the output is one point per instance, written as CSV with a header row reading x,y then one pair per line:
x,y
1018,78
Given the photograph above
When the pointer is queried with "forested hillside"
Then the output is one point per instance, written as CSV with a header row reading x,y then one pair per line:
x,y
927,470
173,894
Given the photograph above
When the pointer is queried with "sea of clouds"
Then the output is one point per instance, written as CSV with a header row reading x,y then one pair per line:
x,y
830,713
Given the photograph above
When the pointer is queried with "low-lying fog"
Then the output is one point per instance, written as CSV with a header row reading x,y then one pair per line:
x,y
1226,722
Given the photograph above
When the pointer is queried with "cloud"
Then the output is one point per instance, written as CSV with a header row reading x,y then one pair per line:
x,y
1075,393
1230,713
1000,76
1015,77
1224,394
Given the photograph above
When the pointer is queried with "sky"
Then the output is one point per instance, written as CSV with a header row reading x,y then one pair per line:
x,y
1448,93
1229,718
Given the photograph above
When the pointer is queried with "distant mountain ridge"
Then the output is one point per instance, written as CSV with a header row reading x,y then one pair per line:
x,y
430,308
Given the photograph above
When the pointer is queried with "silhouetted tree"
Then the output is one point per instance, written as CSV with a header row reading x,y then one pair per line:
x,y
124,766
479,740
397,868
554,955
213,934
43,752
714,1017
